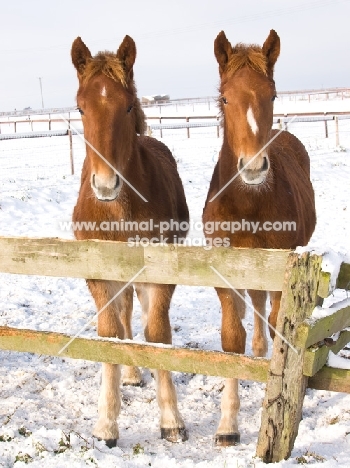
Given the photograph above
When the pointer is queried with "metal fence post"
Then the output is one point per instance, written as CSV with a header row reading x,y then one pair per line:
x,y
69,132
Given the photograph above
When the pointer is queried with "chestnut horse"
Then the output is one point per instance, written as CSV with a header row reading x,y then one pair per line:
x,y
126,177
262,176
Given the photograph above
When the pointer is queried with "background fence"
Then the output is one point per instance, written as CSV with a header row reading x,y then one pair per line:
x,y
62,152
210,102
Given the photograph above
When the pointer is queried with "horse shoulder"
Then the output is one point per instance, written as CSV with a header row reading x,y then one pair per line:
x,y
161,166
159,151
288,144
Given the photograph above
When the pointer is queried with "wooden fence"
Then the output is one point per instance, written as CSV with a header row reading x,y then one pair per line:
x,y
288,373
169,123
324,94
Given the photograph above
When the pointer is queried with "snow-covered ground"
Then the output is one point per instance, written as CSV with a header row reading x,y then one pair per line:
x,y
48,405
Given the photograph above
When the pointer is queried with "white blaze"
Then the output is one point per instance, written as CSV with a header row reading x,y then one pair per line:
x,y
252,121
104,92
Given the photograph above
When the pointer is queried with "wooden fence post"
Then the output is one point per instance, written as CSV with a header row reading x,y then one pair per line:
x,y
326,128
188,128
286,385
161,131
336,130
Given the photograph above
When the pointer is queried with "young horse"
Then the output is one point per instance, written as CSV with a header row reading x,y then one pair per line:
x,y
268,180
119,168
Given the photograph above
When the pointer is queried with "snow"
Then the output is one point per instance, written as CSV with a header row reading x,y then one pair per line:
x,y
321,312
337,361
48,405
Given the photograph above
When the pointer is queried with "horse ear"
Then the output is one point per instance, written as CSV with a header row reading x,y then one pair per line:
x,y
80,54
271,49
222,50
127,53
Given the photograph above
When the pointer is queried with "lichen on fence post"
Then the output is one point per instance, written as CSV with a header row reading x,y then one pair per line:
x,y
286,385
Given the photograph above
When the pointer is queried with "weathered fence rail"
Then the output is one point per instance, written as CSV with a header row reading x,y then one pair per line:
x,y
295,364
165,264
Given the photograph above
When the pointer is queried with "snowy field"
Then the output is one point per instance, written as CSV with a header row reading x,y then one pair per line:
x,y
48,405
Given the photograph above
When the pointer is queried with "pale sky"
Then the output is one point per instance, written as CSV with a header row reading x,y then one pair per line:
x,y
174,41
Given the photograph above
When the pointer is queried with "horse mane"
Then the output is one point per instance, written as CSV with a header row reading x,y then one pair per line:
x,y
109,65
247,55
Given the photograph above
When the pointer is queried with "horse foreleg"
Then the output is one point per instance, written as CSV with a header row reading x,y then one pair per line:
x,y
131,375
275,298
259,343
106,427
158,330
233,337
108,325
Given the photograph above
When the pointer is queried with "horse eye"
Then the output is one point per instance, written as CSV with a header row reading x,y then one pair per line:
x,y
81,112
273,97
224,100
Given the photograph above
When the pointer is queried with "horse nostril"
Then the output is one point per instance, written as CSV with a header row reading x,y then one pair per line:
x,y
265,165
240,164
116,181
93,180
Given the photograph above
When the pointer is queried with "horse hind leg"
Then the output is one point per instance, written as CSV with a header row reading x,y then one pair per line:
x,y
275,299
227,433
156,298
259,343
131,375
108,325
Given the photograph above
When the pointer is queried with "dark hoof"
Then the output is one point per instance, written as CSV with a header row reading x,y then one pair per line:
x,y
226,440
174,435
134,384
111,442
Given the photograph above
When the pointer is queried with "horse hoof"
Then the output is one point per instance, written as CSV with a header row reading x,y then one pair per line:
x,y
111,443
133,384
227,440
132,376
174,435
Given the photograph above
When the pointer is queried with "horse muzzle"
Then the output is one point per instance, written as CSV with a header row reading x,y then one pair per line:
x,y
106,188
253,171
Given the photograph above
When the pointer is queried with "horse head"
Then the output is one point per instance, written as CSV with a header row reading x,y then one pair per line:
x,y
111,113
247,92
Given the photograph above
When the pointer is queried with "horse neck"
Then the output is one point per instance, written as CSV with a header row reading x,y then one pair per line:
x,y
227,163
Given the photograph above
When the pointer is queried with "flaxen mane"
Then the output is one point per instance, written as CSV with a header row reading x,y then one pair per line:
x,y
108,64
